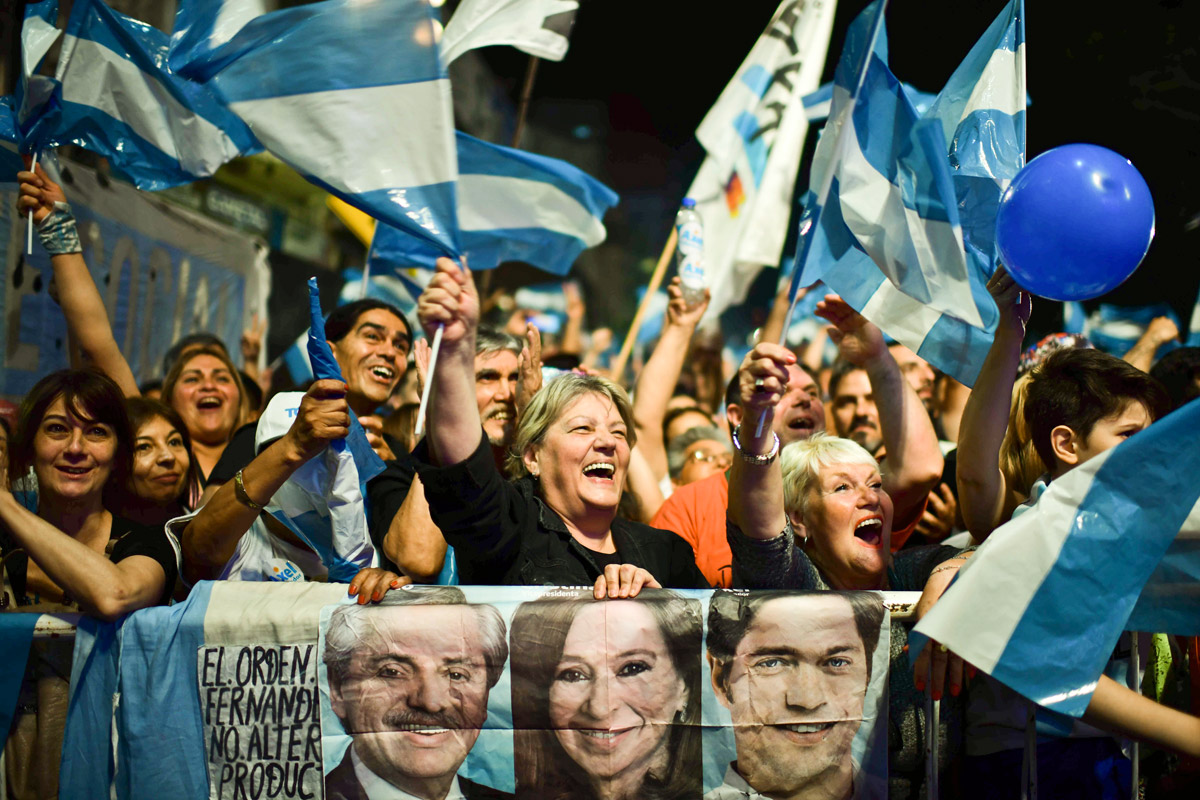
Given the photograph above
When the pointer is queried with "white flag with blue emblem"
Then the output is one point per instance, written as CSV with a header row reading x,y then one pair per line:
x,y
537,27
902,225
512,206
1112,545
753,137
354,96
117,98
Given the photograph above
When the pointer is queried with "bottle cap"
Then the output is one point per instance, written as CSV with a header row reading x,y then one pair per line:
x,y
688,202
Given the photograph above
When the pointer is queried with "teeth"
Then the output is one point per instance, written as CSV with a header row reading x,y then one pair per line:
x,y
599,734
383,372
866,522
812,728
606,468
209,402
425,729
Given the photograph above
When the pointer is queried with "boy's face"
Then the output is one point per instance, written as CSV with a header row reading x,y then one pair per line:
x,y
1111,431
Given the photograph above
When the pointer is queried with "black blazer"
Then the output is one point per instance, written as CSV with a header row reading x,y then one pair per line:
x,y
504,535
342,784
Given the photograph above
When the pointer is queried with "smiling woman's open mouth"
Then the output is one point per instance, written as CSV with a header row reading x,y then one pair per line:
x,y
870,531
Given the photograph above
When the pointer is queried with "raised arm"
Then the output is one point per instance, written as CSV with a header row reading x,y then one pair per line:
x,y
572,335
102,588
1160,331
451,303
211,537
981,485
656,382
87,319
914,460
756,491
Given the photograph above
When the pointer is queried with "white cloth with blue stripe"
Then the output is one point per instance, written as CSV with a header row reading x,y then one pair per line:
x,y
753,137
537,27
905,232
1112,545
512,206
117,98
355,97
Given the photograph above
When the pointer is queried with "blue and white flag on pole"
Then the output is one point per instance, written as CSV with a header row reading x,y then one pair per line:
x,y
1042,604
905,230
354,96
512,206
323,501
39,32
753,137
817,105
117,98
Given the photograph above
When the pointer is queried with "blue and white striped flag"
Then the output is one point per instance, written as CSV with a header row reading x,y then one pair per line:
x,y
753,138
117,98
1116,329
355,97
905,232
1042,604
817,105
39,32
203,28
537,27
512,206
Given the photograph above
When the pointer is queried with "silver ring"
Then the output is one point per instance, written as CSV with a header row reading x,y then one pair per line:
x,y
758,384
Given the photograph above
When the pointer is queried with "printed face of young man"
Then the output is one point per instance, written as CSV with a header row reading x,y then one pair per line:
x,y
415,694
795,689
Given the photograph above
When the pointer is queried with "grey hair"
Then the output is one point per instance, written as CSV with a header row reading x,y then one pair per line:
x,y
348,626
678,446
549,404
801,463
493,340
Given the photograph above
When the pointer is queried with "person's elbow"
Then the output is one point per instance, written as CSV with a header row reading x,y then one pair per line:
x,y
120,599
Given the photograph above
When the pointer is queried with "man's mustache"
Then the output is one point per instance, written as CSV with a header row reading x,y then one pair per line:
x,y
867,421
422,719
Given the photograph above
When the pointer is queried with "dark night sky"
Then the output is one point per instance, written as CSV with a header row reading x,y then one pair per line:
x,y
1126,76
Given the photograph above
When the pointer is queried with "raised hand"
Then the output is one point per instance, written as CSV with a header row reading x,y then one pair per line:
x,y
530,369
858,340
324,416
37,193
1014,303
451,302
678,311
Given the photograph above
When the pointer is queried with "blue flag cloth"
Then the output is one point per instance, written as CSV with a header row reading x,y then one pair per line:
x,y
905,230
202,28
354,96
16,635
512,206
115,96
1043,602
22,113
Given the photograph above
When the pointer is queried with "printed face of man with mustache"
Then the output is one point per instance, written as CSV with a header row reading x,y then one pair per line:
x,y
414,695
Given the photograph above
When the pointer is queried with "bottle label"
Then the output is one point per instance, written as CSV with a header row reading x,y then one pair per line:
x,y
691,254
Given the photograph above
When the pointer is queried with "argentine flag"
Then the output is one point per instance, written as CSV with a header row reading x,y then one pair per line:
x,y
1113,545
354,96
902,222
116,97
512,206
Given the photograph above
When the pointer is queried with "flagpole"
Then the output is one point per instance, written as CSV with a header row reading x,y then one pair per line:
x,y
526,94
660,269
29,216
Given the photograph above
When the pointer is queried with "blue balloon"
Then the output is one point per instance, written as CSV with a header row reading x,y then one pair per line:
x,y
1075,222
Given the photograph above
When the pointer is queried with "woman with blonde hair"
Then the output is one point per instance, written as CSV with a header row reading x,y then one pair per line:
x,y
557,523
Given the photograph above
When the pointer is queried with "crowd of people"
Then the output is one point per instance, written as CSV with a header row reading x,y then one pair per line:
x,y
538,467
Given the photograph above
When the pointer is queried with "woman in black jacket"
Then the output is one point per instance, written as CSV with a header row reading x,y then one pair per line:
x,y
557,524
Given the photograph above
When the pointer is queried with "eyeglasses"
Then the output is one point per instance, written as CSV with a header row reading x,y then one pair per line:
x,y
722,459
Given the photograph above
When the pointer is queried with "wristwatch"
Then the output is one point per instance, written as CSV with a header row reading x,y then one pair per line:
x,y
759,460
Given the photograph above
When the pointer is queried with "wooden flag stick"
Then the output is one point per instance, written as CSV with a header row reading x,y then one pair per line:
x,y
526,94
660,269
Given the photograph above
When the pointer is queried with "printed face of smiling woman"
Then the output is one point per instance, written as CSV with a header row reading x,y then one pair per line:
x,y
614,691
795,690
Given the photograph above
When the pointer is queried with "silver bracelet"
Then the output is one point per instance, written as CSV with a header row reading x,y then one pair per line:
x,y
58,232
758,460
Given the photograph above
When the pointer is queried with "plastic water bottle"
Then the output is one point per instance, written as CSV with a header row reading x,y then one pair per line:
x,y
689,252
